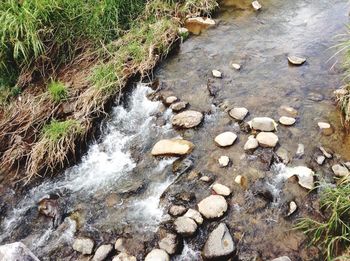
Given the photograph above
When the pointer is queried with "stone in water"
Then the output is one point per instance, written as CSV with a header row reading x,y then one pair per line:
x,y
295,60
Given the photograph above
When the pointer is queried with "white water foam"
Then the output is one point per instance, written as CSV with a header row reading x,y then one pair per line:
x,y
188,254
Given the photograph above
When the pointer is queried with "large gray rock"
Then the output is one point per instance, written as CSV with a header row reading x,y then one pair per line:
x,y
169,243
213,206
102,252
219,243
172,147
187,119
16,251
263,124
157,255
185,226
83,245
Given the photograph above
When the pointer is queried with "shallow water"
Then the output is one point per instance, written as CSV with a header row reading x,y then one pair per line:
x,y
119,189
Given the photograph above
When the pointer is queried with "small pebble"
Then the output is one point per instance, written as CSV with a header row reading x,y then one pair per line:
x,y
224,161
236,66
320,160
287,121
300,151
256,5
217,74
325,153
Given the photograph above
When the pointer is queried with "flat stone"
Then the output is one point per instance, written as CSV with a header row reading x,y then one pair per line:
x,y
251,144
221,189
157,255
83,245
16,252
295,60
195,215
187,119
216,73
326,153
282,258
172,147
219,243
236,66
287,121
340,171
267,139
305,176
316,97
224,161
238,113
171,99
169,243
225,139
124,257
256,5
263,124
326,128
320,159
178,106
177,210
185,226
213,206
102,252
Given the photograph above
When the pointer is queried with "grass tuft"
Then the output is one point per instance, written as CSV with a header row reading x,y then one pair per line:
x,y
58,91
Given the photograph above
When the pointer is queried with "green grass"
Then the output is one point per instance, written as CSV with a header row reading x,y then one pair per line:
x,y
58,91
332,235
57,130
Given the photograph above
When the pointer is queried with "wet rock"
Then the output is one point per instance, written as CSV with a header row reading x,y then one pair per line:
x,y
102,252
213,206
177,210
282,258
295,60
300,151
305,176
325,127
224,161
288,111
221,189
340,171
242,181
16,251
238,113
263,124
251,144
185,226
212,88
181,166
171,99
172,147
169,243
49,206
316,97
157,255
195,215
225,139
83,245
196,24
187,119
219,243
267,139
283,154
120,245
256,5
320,159
292,208
185,196
178,106
325,153
287,121
236,66
206,179
124,257
216,74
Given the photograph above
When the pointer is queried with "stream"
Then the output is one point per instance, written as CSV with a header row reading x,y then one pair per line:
x,y
120,189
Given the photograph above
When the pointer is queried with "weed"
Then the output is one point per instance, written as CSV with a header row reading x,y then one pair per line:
x,y
58,91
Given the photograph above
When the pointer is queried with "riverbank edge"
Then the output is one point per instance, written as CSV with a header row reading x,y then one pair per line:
x,y
41,136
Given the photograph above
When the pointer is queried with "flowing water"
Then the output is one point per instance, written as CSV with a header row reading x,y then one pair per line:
x,y
119,189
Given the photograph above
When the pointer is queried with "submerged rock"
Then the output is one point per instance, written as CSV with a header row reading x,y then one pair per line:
x,y
295,60
300,151
283,154
124,257
340,171
195,215
185,226
83,245
172,147
236,66
213,206
16,251
288,111
287,121
221,189
219,243
157,255
263,124
102,252
326,153
187,119
267,139
225,139
169,243
224,161
216,73
238,113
